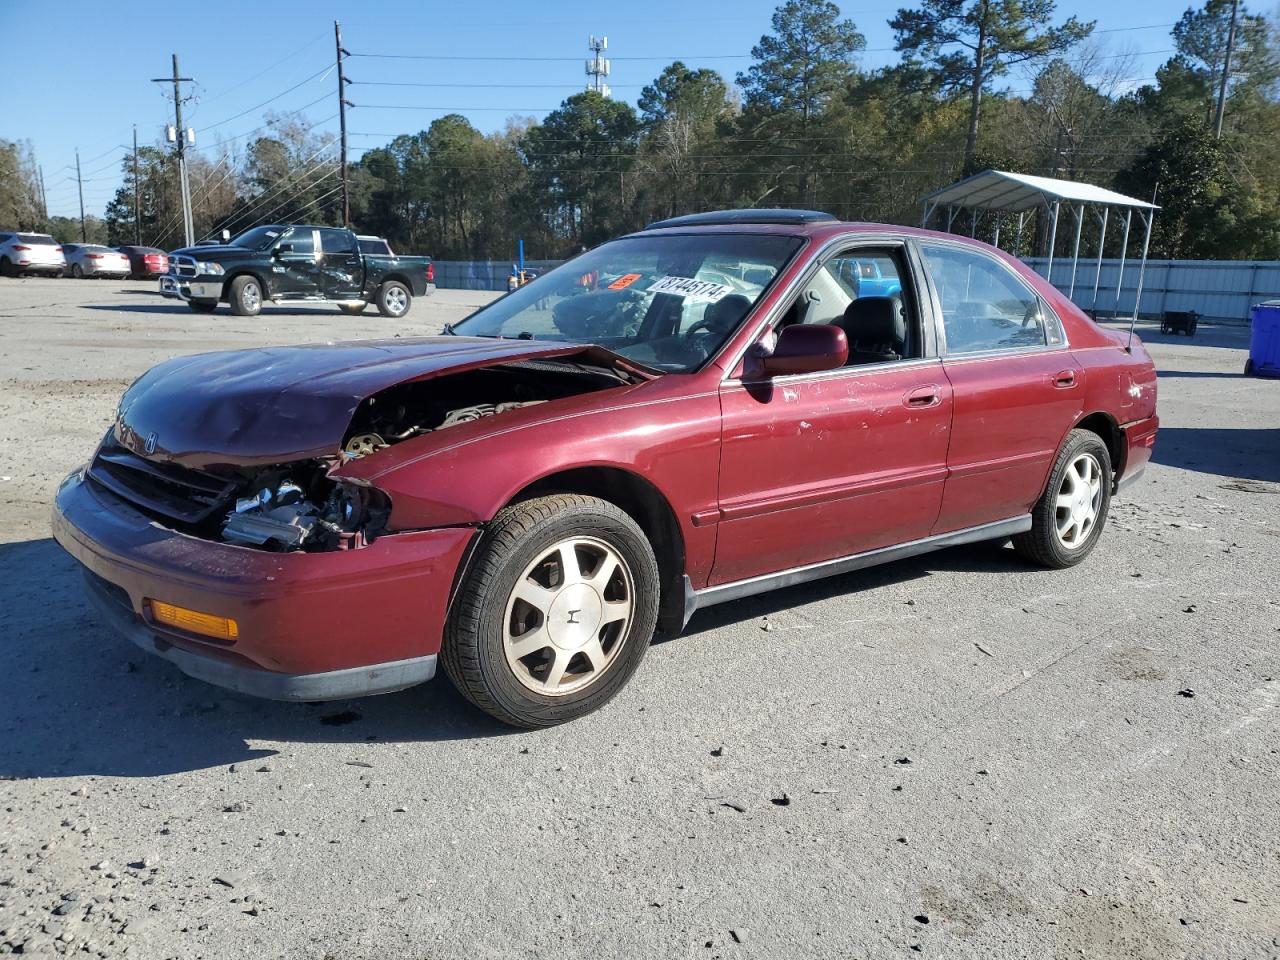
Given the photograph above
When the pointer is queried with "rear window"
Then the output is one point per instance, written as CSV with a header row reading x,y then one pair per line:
x,y
375,247
37,239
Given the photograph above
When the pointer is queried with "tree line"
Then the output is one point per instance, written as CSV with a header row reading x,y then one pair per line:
x,y
804,125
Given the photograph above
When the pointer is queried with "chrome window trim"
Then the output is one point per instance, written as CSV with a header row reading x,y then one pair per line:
x,y
836,373
923,242
784,298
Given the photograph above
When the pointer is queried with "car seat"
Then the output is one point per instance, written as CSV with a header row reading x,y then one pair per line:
x,y
876,330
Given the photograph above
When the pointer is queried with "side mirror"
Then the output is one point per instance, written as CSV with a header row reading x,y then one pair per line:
x,y
801,348
284,248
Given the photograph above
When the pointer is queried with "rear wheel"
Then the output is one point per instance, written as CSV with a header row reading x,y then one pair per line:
x,y
556,612
1248,367
245,296
6,268
1068,519
203,306
77,271
394,299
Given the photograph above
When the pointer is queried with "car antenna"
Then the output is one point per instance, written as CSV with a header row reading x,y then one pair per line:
x,y
1142,270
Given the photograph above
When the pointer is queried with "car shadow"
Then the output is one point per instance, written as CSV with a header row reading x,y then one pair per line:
x,y
1241,455
989,557
183,310
80,700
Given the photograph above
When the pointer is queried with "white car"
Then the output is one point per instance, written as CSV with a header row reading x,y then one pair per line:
x,y
95,260
30,253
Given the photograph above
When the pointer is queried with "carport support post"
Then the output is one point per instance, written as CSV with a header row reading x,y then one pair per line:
x,y
995,240
1075,253
1053,239
1097,275
1124,252
1017,243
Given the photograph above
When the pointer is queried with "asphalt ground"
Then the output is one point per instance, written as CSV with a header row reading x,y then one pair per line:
x,y
956,756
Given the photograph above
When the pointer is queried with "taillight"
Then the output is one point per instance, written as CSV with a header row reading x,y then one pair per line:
x,y
96,256
431,273
57,249
18,246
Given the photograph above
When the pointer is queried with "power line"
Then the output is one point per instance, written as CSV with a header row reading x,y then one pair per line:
x,y
211,126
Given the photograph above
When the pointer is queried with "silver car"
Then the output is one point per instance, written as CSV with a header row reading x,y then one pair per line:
x,y
95,260
30,253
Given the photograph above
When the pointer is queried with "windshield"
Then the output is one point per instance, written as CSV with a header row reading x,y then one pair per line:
x,y
667,301
259,238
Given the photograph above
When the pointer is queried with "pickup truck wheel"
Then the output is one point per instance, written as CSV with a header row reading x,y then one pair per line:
x,y
394,299
1068,519
352,308
245,296
203,306
555,613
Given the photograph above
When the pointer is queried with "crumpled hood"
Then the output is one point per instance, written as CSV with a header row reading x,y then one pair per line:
x,y
278,404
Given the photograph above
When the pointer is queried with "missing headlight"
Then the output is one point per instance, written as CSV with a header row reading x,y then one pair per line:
x,y
281,517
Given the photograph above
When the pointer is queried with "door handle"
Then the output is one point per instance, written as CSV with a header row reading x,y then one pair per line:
x,y
926,396
1064,378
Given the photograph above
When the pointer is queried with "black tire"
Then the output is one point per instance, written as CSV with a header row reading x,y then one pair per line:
x,y
352,309
203,306
394,299
245,296
474,652
77,271
1042,544
1248,367
6,268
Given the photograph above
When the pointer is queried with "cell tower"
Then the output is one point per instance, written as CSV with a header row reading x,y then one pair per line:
x,y
598,66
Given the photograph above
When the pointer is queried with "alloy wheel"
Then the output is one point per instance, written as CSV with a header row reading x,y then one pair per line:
x,y
1078,501
568,616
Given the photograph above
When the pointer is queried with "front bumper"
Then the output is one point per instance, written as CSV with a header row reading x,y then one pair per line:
x,y
312,626
180,288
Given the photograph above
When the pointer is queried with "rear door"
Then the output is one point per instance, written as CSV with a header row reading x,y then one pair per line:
x,y
341,267
1017,389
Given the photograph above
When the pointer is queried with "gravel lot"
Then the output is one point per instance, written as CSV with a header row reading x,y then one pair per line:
x,y
956,755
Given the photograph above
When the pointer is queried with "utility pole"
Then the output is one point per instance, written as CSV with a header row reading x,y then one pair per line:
x,y
137,211
180,137
1226,72
84,237
44,200
343,103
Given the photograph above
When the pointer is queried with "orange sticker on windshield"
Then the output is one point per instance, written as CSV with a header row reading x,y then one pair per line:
x,y
624,281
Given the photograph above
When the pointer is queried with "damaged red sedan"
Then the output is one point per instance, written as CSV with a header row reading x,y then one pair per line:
x,y
716,406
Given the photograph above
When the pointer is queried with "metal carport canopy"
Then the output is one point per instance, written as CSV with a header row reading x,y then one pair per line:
x,y
999,190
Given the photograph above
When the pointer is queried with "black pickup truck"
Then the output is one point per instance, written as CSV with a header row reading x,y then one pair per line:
x,y
294,263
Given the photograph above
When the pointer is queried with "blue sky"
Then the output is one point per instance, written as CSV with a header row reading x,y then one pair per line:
x,y
74,77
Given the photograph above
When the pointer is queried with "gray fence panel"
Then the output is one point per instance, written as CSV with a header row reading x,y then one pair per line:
x,y
1224,290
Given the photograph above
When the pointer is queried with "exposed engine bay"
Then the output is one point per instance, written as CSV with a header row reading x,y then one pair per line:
x,y
301,507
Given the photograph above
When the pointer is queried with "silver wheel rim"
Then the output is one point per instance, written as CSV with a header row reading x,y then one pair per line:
x,y
1078,502
250,297
396,301
568,616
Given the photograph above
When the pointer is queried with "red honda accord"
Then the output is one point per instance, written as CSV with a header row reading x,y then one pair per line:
x,y
716,406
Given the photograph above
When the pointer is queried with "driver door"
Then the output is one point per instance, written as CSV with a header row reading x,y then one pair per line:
x,y
295,271
824,465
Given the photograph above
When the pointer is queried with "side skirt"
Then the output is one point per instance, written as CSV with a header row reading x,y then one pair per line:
x,y
858,561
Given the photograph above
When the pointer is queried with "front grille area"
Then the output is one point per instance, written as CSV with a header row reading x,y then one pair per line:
x,y
171,491
180,266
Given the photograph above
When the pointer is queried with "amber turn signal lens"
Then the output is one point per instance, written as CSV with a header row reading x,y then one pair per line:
x,y
205,624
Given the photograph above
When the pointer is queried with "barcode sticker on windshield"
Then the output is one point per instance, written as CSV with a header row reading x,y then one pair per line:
x,y
690,289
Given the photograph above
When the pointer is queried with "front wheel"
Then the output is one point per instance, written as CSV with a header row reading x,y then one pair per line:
x,y
203,306
394,299
245,296
556,612
1068,519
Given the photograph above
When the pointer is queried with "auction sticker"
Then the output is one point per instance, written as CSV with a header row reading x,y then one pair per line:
x,y
624,281
691,289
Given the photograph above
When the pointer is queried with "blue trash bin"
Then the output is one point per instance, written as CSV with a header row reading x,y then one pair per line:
x,y
1264,341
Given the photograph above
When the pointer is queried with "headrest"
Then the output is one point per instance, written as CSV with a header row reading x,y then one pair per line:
x,y
871,320
726,313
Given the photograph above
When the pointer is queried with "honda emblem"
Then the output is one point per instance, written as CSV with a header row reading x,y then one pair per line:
x,y
150,445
